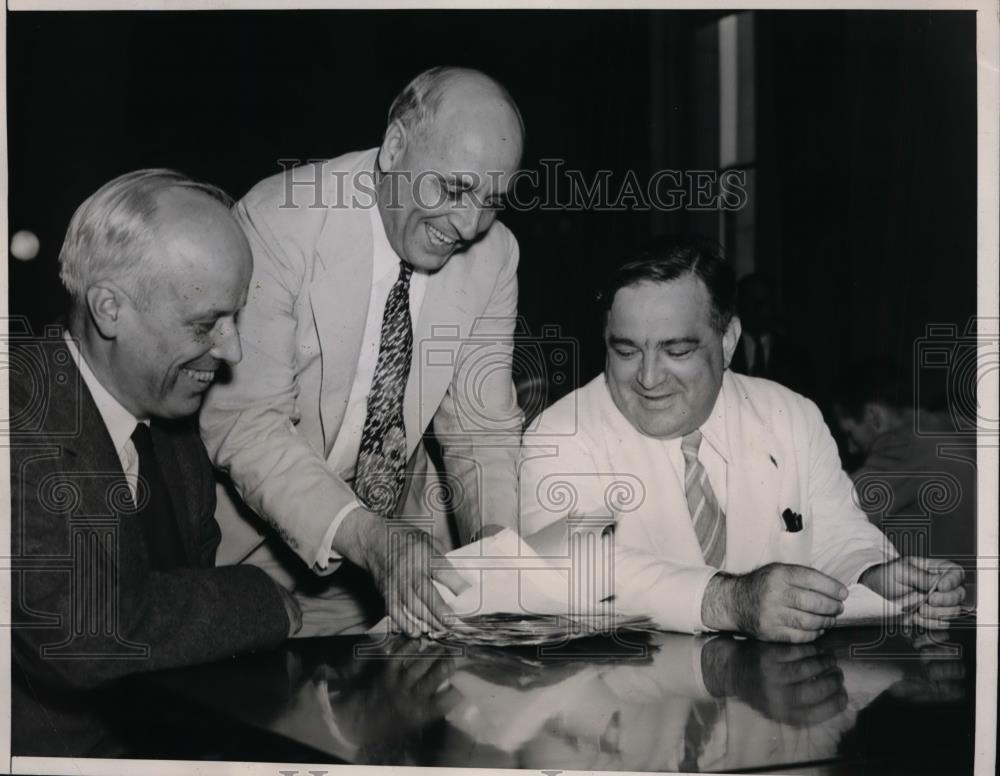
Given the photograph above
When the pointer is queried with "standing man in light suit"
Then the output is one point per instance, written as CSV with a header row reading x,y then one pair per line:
x,y
742,518
320,430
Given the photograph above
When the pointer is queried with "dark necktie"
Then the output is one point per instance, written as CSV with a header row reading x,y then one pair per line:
x,y
378,481
706,514
156,517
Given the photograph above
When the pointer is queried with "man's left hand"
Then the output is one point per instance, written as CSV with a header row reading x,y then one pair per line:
x,y
907,580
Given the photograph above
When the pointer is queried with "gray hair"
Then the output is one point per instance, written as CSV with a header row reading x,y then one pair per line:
x,y
420,99
111,234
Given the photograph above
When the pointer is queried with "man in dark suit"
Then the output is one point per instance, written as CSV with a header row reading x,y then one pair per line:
x,y
762,351
113,497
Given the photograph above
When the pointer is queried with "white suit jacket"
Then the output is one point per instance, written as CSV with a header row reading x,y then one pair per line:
x,y
780,456
272,426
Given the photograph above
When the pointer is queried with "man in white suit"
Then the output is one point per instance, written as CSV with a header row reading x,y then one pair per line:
x,y
730,508
382,305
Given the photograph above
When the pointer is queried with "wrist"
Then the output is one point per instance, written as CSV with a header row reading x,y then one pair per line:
x,y
353,538
292,610
717,603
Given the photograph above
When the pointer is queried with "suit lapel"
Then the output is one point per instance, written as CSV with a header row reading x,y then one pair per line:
x,y
339,295
88,455
88,466
443,324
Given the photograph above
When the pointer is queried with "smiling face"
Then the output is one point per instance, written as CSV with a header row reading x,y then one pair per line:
x,y
665,360
167,349
443,181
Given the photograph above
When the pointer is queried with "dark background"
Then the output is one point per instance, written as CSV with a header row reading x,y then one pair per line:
x,y
865,124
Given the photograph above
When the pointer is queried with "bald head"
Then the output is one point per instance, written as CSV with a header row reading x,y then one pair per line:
x,y
443,92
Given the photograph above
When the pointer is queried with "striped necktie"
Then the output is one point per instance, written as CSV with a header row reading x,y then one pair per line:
x,y
382,457
708,518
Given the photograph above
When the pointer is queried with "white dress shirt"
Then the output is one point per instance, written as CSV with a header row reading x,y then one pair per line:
x,y
765,449
343,456
119,422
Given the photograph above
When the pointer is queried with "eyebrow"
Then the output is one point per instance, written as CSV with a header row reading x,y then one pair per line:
x,y
462,183
212,312
614,340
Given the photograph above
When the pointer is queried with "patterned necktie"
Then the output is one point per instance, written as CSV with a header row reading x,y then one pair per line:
x,y
708,518
382,457
156,517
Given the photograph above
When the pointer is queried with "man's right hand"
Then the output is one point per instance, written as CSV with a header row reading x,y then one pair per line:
x,y
777,602
398,558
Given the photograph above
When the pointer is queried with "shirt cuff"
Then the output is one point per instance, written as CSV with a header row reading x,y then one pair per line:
x,y
867,561
327,555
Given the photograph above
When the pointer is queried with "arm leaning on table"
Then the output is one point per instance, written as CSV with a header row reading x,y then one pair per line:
x,y
251,427
183,616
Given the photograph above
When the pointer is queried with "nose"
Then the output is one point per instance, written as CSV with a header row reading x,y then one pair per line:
x,y
649,372
468,221
227,345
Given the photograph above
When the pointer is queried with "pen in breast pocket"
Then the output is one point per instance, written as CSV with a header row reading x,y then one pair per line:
x,y
792,520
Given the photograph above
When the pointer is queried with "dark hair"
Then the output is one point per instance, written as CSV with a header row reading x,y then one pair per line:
x,y
669,258
873,380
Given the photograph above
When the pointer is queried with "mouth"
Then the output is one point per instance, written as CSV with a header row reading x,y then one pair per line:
x,y
658,399
202,377
439,238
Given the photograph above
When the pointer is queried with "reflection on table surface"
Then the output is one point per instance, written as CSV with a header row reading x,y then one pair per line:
x,y
637,702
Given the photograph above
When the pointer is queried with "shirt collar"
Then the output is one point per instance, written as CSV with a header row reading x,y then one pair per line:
x,y
118,420
713,430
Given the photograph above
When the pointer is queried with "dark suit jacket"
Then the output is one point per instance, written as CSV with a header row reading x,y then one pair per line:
x,y
787,364
88,609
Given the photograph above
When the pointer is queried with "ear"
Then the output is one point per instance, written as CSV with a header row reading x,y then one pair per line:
x,y
105,303
730,339
393,145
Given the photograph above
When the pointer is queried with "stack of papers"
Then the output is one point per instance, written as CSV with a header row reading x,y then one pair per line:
x,y
508,629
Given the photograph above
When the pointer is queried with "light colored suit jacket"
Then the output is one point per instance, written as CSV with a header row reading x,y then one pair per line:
x,y
273,424
780,456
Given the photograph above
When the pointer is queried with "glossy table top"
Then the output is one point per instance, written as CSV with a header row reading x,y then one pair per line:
x,y
889,700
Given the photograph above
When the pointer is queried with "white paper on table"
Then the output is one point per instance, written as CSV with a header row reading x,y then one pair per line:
x,y
506,575
866,607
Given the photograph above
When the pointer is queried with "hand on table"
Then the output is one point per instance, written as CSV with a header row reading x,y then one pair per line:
x,y
399,558
777,602
907,580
